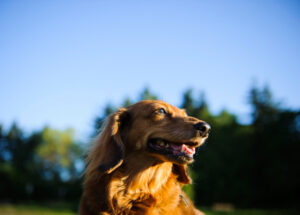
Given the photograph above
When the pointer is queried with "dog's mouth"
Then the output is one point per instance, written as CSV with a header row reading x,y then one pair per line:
x,y
182,151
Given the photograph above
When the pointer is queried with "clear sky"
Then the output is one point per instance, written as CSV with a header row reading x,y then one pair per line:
x,y
62,61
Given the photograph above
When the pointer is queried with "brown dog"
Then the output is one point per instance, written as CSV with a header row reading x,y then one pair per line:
x,y
138,162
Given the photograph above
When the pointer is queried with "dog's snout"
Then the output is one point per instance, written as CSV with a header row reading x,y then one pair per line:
x,y
203,128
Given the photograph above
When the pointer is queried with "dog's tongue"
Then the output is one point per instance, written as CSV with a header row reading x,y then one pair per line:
x,y
188,150
183,148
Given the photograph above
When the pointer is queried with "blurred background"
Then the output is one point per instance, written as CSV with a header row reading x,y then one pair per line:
x,y
65,65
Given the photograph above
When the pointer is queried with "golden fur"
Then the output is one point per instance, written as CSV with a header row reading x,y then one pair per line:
x,y
123,177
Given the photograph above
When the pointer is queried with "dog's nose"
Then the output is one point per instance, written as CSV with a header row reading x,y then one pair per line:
x,y
203,128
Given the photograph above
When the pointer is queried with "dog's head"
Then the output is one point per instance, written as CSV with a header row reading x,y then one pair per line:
x,y
155,129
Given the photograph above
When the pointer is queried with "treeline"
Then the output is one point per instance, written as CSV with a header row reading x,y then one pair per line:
x,y
40,167
253,165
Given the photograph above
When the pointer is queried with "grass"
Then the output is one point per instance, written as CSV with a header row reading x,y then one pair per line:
x,y
32,209
208,211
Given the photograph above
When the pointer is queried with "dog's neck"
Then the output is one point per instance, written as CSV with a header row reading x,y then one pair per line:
x,y
128,187
148,175
142,183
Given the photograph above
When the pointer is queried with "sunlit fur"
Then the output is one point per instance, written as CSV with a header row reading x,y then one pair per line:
x,y
122,177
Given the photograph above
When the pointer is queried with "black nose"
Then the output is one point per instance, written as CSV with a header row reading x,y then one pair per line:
x,y
203,128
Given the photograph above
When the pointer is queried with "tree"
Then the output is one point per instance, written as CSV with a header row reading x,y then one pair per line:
x,y
275,143
58,153
147,95
253,165
188,102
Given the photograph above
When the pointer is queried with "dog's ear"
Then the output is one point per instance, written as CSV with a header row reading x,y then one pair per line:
x,y
108,151
183,174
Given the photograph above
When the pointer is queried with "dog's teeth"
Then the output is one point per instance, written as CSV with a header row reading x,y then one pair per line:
x,y
182,148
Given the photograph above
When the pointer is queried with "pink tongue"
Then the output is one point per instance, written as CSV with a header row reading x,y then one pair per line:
x,y
189,150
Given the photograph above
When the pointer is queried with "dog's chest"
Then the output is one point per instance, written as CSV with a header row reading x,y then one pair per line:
x,y
144,200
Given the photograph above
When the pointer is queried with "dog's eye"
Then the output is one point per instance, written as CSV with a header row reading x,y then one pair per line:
x,y
161,111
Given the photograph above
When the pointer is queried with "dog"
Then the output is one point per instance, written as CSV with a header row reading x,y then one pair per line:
x,y
138,163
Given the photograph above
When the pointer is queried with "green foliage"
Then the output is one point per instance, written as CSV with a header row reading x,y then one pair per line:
x,y
147,95
275,146
56,147
190,189
254,165
42,163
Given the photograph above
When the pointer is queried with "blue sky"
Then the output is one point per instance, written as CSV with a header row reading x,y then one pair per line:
x,y
62,61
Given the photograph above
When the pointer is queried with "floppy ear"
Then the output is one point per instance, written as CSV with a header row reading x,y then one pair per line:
x,y
108,151
183,174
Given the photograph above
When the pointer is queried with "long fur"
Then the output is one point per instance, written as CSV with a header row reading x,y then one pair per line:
x,y
121,178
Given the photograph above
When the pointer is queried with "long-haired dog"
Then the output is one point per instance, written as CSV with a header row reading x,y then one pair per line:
x,y
138,163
